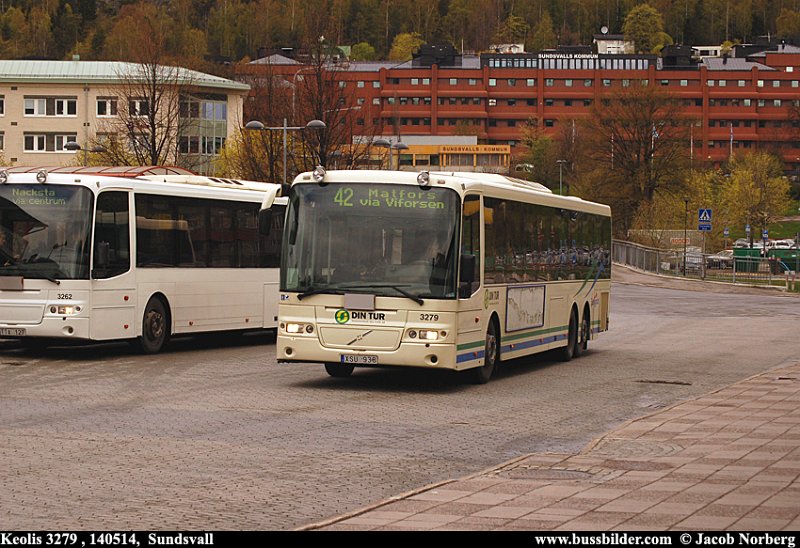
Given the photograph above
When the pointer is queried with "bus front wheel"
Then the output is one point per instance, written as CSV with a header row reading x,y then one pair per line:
x,y
481,375
155,327
339,369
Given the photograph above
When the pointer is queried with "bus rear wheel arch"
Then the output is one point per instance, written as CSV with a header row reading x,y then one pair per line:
x,y
156,324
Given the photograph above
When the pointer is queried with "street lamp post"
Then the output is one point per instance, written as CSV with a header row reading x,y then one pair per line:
x,y
560,175
75,147
256,125
387,143
685,237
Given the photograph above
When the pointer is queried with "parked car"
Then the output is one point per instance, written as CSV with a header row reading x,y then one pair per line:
x,y
741,242
723,259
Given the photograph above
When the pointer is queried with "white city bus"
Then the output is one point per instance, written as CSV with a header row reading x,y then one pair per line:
x,y
453,271
88,257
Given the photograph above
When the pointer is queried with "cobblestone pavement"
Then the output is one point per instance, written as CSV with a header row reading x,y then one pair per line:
x,y
729,460
216,435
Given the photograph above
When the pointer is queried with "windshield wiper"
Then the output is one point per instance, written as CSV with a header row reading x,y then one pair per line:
x,y
399,288
316,291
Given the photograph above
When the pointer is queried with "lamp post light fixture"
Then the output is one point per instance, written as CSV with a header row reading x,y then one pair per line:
x,y
387,143
258,126
560,175
73,146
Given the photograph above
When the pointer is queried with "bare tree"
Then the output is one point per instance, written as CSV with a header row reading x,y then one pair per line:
x,y
635,141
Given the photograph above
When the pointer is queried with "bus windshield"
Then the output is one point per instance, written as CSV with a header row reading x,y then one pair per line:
x,y
44,231
383,239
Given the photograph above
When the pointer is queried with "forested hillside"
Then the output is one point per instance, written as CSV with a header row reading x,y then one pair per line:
x,y
203,33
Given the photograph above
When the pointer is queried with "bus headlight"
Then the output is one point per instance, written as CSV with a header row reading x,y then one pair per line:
x,y
64,310
428,335
296,328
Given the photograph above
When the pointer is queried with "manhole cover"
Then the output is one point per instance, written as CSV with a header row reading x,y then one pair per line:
x,y
545,474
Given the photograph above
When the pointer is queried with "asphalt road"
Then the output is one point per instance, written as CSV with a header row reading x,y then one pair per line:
x,y
214,434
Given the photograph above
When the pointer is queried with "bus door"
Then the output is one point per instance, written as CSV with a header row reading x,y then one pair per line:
x,y
113,284
471,309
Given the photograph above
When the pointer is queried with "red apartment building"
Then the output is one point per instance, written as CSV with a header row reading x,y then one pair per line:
x,y
740,103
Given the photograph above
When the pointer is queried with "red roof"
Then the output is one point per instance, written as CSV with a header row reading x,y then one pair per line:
x,y
112,171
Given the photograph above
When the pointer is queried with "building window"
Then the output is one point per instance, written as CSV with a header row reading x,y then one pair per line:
x,y
760,83
512,82
606,83
47,142
426,81
51,106
684,83
549,102
415,81
747,102
106,106
2,106
664,82
587,83
776,102
453,81
568,82
742,83
376,100
776,83
549,122
530,82
512,102
711,83
723,83
794,85
531,102
492,102
360,84
472,82
376,84
492,82
587,102
2,142
138,107
548,82
626,83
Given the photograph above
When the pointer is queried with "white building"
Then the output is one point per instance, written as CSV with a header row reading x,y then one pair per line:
x,y
45,104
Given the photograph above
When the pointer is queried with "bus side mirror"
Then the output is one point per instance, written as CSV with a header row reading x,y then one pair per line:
x,y
466,278
264,221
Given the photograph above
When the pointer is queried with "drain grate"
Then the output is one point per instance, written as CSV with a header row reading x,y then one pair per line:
x,y
636,465
657,381
544,474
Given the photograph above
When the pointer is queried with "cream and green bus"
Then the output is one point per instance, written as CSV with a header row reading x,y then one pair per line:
x,y
456,271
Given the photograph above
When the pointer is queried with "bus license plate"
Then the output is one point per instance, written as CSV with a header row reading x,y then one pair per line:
x,y
361,359
12,332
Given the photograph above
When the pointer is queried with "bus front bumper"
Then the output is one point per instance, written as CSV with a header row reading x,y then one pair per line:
x,y
308,349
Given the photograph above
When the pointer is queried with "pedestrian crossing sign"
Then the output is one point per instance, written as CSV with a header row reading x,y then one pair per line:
x,y
704,219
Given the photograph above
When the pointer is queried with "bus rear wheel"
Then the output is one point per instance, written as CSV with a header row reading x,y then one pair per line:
x,y
566,353
339,370
155,327
582,342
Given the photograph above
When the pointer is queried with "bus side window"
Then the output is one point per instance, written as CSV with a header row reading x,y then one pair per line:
x,y
111,235
471,244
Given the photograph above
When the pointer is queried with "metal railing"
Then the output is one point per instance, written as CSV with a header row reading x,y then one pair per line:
x,y
762,270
